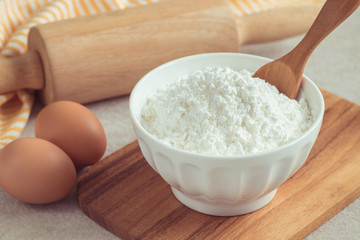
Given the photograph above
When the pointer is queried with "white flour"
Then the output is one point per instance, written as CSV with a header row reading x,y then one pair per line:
x,y
219,111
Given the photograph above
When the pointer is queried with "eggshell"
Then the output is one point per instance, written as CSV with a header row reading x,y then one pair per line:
x,y
36,171
73,128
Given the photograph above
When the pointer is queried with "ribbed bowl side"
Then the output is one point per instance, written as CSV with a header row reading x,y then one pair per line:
x,y
254,181
167,169
146,151
223,183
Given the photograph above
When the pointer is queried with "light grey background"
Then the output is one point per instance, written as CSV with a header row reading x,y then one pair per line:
x,y
334,66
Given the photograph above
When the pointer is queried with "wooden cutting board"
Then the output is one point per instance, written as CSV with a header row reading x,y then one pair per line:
x,y
123,193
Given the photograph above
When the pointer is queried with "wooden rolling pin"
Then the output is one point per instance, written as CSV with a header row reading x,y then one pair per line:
x,y
101,56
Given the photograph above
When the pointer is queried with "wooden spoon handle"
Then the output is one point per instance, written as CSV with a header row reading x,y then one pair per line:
x,y
331,15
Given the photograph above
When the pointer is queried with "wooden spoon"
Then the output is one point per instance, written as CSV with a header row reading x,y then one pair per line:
x,y
286,72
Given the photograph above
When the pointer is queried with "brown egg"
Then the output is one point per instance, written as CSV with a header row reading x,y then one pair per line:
x,y
73,128
36,171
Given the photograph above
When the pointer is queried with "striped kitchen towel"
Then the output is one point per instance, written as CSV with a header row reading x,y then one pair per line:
x,y
18,16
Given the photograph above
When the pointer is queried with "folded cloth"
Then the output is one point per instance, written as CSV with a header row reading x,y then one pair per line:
x,y
18,16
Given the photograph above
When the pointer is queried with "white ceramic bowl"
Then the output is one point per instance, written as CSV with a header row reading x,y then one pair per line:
x,y
229,185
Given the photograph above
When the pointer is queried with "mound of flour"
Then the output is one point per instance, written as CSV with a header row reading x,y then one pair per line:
x,y
219,111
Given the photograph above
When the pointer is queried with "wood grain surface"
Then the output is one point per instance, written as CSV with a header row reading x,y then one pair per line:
x,y
123,193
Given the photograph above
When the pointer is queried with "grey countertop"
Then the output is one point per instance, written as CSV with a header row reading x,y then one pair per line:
x,y
334,66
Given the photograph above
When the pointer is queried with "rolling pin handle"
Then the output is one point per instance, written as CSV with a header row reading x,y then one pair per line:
x,y
23,72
